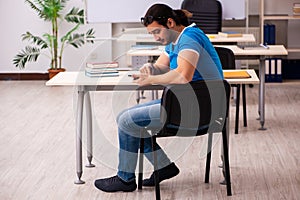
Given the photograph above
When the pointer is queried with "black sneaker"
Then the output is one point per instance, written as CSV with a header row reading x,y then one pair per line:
x,y
115,184
164,173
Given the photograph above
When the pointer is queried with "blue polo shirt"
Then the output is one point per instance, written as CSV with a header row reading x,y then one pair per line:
x,y
192,38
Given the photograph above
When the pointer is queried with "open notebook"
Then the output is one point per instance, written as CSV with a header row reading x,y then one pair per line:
x,y
236,74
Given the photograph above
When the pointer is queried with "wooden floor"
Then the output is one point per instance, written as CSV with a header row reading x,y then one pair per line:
x,y
37,148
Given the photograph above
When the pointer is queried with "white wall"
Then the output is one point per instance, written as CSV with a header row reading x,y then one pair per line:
x,y
16,18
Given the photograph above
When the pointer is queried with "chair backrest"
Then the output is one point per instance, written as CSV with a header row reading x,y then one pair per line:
x,y
195,108
207,14
226,57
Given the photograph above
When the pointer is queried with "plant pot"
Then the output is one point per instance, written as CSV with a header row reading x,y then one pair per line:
x,y
53,72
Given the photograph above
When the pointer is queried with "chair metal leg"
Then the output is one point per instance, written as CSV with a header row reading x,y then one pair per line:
x,y
226,162
236,130
141,161
208,157
244,104
156,175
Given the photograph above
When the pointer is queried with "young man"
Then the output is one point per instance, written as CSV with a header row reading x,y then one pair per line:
x,y
188,56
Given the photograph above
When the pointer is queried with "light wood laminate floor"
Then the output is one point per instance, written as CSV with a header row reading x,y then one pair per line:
x,y
37,148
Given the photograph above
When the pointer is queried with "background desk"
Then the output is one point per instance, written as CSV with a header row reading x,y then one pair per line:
x,y
261,54
85,84
214,38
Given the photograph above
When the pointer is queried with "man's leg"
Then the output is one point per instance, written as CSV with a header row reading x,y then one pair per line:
x,y
130,122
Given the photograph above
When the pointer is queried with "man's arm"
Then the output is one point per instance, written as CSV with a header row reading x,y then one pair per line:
x,y
187,61
161,66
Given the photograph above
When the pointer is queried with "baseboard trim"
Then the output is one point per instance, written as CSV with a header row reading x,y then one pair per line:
x,y
23,76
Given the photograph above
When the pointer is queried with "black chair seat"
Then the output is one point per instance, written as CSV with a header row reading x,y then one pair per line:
x,y
172,130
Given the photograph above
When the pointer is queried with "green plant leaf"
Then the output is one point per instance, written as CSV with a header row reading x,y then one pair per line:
x,y
75,16
37,6
76,40
90,35
29,54
35,40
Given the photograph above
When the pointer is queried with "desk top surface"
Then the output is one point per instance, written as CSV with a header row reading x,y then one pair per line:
x,y
215,38
80,79
274,50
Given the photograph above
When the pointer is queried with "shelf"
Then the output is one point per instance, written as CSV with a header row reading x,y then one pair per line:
x,y
293,50
281,17
284,18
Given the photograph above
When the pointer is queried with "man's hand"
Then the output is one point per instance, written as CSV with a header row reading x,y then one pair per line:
x,y
147,68
142,79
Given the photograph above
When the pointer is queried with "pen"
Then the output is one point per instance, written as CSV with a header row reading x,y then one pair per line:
x,y
134,78
264,46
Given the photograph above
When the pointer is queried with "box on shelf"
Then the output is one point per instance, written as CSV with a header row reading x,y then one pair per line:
x,y
273,70
269,34
296,9
291,68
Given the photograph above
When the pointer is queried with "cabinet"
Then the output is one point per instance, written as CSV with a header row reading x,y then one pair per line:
x,y
283,19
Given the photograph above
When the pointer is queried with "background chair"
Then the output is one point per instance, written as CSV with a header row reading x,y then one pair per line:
x,y
207,14
228,62
192,110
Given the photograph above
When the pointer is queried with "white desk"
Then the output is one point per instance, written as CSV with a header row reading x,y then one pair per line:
x,y
146,52
240,54
214,38
85,84
274,50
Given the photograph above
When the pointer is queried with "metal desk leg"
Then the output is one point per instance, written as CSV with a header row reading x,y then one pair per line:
x,y
89,130
244,104
79,135
237,107
262,94
154,94
138,97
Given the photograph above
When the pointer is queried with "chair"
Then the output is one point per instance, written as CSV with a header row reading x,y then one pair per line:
x,y
190,110
206,14
228,62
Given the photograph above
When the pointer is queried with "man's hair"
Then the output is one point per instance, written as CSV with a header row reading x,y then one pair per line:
x,y
161,12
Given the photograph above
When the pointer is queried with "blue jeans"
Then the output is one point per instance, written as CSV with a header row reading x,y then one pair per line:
x,y
130,121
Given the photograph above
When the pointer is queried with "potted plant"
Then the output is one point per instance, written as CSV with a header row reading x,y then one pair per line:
x,y
53,11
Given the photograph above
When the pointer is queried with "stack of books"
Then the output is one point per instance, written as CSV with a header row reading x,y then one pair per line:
x,y
230,34
104,69
296,9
